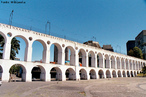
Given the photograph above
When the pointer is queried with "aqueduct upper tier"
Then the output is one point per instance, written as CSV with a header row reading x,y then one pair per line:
x,y
81,61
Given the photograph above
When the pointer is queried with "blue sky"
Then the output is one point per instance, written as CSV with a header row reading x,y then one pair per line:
x,y
110,21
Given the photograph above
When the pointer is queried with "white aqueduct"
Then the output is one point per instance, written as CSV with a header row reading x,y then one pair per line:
x,y
104,64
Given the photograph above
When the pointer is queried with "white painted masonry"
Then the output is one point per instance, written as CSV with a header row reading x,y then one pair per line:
x,y
104,64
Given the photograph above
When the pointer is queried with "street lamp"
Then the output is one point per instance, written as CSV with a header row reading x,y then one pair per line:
x,y
46,27
11,17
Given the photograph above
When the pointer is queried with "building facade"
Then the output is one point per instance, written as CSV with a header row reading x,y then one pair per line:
x,y
103,64
130,45
140,41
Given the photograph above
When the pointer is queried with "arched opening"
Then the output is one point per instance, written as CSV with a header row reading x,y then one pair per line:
x,y
55,54
69,56
132,74
127,64
18,45
122,64
1,72
92,74
91,59
17,73
38,73
118,63
130,64
128,74
82,57
70,74
83,74
2,43
56,74
119,74
100,60
114,73
38,51
124,74
108,75
106,61
101,74
137,72
134,64
112,62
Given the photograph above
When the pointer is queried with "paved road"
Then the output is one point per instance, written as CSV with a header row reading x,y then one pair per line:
x,y
116,87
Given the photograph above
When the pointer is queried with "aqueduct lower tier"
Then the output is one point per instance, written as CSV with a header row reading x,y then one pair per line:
x,y
85,62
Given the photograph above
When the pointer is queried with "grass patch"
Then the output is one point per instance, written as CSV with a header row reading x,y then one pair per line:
x,y
141,75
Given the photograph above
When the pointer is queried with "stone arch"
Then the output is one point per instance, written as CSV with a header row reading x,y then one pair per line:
x,y
100,60
69,56
20,75
126,64
101,74
122,63
114,74
128,74
70,74
124,74
4,36
82,57
130,63
56,74
41,53
106,61
83,74
119,73
1,72
38,73
24,38
23,47
108,74
118,62
112,62
91,59
56,53
92,74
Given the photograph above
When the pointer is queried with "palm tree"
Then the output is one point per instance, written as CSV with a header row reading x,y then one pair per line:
x,y
15,47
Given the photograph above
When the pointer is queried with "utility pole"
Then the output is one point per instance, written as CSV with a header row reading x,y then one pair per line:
x,y
11,17
46,27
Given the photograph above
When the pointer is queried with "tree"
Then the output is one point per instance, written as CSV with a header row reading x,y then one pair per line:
x,y
135,52
130,52
15,47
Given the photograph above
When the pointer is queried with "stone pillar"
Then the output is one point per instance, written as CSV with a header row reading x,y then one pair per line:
x,y
63,75
5,75
77,74
88,76
120,63
28,76
103,62
110,65
86,57
46,56
7,50
124,64
76,58
115,64
63,57
28,53
95,60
